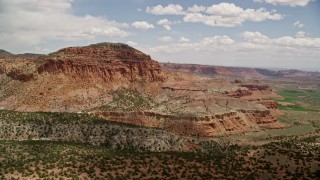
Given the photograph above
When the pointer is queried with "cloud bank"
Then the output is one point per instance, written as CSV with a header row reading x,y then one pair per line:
x,y
31,22
222,15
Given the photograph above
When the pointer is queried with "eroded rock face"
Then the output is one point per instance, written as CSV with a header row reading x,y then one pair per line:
x,y
108,71
110,62
106,61
198,107
76,78
208,125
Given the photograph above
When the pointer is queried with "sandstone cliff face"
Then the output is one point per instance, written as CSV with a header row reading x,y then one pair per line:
x,y
76,78
110,62
107,71
237,121
106,61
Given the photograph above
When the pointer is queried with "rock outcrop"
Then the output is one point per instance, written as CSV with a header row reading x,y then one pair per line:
x,y
107,61
75,78
208,125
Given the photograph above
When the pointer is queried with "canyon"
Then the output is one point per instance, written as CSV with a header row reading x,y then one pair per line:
x,y
119,83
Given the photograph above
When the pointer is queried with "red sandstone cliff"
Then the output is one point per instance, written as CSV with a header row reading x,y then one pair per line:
x,y
106,61
75,78
110,62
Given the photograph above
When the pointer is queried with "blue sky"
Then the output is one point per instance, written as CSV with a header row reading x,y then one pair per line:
x,y
248,33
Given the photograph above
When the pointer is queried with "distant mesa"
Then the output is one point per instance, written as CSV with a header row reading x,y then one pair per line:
x,y
3,52
6,54
210,70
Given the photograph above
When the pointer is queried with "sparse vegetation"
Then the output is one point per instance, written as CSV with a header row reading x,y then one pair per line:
x,y
84,128
43,145
112,45
128,100
43,159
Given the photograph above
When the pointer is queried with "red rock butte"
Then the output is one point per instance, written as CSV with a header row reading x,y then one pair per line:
x,y
109,61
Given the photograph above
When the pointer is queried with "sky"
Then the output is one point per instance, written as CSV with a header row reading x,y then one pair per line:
x,y
246,33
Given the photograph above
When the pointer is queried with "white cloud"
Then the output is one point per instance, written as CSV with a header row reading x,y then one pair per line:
x,y
300,41
167,27
256,50
165,38
254,42
217,40
256,37
142,25
184,40
289,41
225,9
131,43
291,3
42,50
230,15
165,23
31,22
300,34
206,44
285,41
298,24
170,9
223,14
195,9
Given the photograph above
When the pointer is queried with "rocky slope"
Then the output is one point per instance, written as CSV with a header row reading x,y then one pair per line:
x,y
86,129
193,108
4,53
74,78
